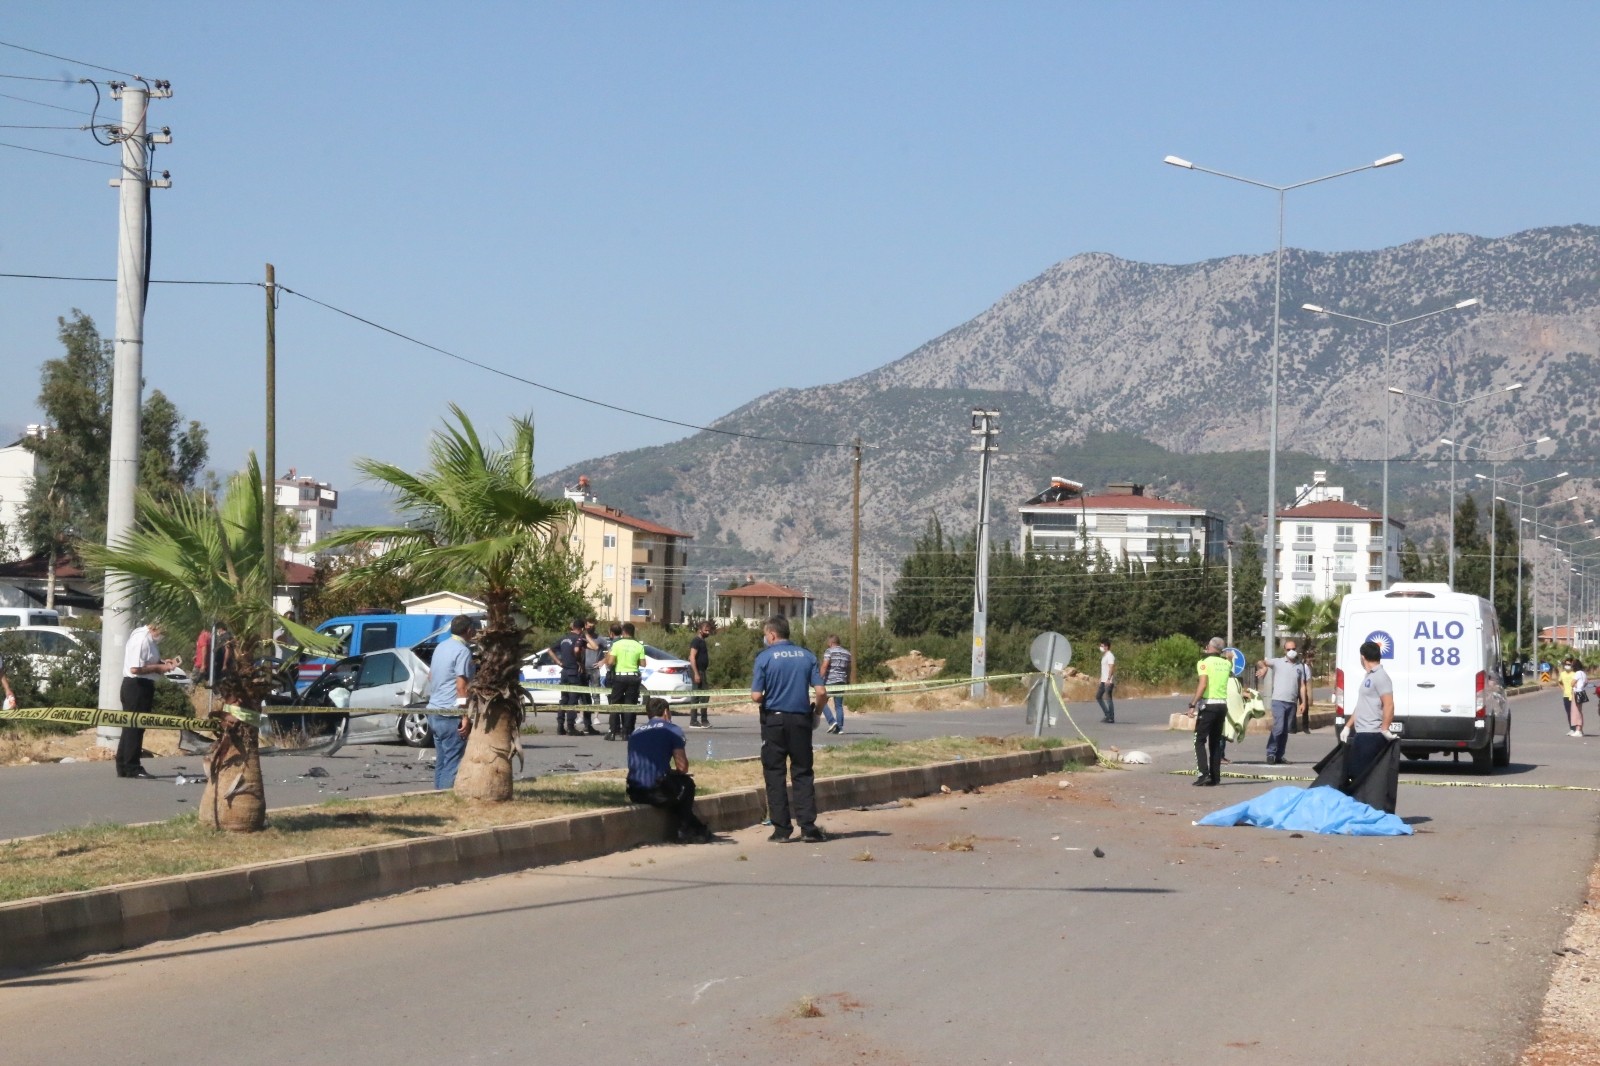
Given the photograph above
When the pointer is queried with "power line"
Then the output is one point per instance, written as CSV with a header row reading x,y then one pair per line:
x,y
29,77
41,103
562,392
153,281
75,62
61,155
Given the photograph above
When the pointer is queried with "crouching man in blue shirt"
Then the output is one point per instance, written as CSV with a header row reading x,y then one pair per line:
x,y
658,773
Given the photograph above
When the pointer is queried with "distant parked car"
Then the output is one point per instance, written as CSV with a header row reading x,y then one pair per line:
x,y
662,674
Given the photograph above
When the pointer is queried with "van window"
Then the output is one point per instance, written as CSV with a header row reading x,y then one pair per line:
x,y
341,633
377,636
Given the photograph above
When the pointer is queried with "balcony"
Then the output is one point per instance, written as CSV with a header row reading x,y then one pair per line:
x,y
642,583
1302,575
1341,574
1344,544
1374,573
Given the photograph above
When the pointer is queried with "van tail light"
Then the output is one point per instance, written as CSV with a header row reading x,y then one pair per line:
x,y
1338,691
1477,695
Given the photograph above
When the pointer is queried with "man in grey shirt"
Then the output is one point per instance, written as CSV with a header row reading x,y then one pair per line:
x,y
1374,713
1290,687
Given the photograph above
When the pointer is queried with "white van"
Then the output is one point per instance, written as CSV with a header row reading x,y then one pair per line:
x,y
1442,651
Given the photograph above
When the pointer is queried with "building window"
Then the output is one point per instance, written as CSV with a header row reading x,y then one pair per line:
x,y
609,540
611,570
1345,534
1303,532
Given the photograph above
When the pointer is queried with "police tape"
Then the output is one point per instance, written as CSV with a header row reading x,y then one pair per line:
x,y
1405,781
89,717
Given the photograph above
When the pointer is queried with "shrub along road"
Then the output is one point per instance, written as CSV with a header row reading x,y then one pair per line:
x,y
961,929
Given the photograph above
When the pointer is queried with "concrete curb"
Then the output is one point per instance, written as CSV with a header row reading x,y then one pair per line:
x,y
50,929
1319,717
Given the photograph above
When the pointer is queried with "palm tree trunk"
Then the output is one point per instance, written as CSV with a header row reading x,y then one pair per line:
x,y
235,797
494,699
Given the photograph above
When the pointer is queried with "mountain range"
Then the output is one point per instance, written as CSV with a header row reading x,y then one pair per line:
x,y
1104,369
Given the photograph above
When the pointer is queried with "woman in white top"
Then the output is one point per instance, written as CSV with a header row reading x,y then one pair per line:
x,y
1580,696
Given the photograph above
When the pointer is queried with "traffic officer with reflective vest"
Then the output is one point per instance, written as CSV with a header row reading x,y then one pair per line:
x,y
1210,708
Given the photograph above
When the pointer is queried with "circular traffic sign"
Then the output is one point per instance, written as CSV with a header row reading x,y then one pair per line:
x,y
1236,657
1050,652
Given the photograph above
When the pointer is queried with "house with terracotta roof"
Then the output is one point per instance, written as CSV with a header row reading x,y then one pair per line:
x,y
1328,546
1123,518
759,600
634,566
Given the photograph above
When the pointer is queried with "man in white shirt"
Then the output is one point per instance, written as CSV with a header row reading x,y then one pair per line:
x,y
140,662
1104,695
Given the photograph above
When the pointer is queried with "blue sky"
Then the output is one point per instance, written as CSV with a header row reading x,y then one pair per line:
x,y
679,207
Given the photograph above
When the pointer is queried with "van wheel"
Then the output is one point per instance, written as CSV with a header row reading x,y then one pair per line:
x,y
1502,757
415,731
1483,760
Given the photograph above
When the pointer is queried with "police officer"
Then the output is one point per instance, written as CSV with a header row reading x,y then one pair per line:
x,y
625,658
594,653
1210,707
787,687
569,652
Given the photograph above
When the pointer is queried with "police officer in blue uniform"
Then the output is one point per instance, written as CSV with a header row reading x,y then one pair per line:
x,y
787,687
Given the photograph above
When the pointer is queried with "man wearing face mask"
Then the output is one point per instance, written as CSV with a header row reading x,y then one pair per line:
x,y
1290,686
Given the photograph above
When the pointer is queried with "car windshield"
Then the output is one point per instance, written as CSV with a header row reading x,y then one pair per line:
x,y
657,653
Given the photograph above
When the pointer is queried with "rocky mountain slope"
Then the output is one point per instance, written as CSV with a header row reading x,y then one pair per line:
x,y
1106,369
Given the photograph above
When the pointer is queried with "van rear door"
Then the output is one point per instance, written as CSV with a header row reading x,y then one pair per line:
x,y
1432,649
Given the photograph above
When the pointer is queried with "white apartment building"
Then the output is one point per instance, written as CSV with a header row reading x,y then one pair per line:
x,y
1123,520
18,467
1329,547
313,504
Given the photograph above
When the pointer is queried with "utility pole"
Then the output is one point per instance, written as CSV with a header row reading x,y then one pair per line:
x,y
985,427
127,375
855,556
708,596
270,512
882,595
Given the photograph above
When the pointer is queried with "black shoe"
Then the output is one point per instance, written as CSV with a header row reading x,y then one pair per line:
x,y
561,730
1201,780
1108,721
590,731
137,771
813,835
1272,760
781,835
613,736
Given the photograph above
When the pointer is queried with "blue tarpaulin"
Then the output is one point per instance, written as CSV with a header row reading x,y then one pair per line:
x,y
1310,810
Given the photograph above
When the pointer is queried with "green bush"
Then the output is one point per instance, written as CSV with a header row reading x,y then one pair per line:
x,y
1167,661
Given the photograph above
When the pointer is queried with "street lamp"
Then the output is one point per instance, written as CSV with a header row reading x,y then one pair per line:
x,y
1388,330
1271,634
1522,488
1455,410
1494,468
1534,521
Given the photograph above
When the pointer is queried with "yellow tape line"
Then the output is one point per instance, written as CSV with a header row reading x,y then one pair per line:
x,y
1407,781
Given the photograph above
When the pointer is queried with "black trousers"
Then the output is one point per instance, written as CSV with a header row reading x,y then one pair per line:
x,y
566,717
786,752
624,693
138,695
697,709
674,793
1208,739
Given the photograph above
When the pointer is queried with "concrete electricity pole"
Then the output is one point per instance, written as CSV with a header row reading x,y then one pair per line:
x,y
855,557
986,427
133,279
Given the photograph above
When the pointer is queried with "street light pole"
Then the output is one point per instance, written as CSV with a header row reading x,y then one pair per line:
x,y
1493,479
1388,402
1455,407
1271,634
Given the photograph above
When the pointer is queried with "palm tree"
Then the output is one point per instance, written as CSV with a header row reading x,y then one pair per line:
x,y
192,564
476,516
1312,620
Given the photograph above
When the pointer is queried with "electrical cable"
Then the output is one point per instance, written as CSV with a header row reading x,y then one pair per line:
x,y
74,62
41,103
562,392
59,155
153,281
29,77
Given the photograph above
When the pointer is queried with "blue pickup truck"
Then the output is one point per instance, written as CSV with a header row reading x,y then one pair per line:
x,y
359,634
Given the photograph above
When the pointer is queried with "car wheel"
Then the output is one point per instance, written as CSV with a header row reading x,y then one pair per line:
x,y
415,731
1502,756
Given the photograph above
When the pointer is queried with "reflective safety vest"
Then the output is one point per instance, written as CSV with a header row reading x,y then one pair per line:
x,y
1216,669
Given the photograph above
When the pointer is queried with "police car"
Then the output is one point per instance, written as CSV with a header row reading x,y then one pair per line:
x,y
661,675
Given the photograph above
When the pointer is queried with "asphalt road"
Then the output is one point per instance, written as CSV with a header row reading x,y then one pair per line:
x,y
1180,945
43,798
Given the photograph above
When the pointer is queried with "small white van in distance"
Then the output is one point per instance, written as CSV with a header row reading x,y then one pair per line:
x,y
1442,651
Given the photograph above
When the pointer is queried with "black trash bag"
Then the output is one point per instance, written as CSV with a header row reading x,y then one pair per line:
x,y
1378,788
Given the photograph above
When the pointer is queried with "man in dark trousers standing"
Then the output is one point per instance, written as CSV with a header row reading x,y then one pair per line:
x,y
787,687
699,665
625,658
658,773
1210,708
140,663
569,652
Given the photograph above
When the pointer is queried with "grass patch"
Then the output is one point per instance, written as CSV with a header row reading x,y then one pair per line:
x,y
96,856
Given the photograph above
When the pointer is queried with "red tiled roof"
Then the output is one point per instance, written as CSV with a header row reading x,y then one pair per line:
x,y
643,525
293,573
763,590
1120,503
1335,509
36,566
